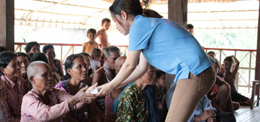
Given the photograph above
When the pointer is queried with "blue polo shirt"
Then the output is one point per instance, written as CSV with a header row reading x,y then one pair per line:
x,y
168,47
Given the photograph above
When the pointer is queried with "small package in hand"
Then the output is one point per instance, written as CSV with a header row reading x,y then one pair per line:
x,y
94,91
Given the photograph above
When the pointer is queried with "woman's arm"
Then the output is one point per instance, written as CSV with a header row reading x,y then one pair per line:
x,y
137,73
128,67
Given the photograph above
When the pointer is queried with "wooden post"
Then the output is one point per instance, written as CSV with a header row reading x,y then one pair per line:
x,y
7,24
177,12
257,67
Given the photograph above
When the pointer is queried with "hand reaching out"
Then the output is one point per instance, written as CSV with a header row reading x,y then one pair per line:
x,y
105,89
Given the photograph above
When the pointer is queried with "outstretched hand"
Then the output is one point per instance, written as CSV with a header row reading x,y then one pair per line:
x,y
84,95
105,89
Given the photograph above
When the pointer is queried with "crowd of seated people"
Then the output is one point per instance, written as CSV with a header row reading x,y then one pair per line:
x,y
34,81
33,87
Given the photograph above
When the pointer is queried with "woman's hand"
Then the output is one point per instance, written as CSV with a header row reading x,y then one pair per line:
x,y
105,89
84,95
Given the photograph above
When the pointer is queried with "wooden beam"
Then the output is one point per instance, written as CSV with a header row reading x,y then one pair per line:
x,y
257,67
177,11
7,24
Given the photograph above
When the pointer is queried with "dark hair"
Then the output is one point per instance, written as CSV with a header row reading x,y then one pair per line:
x,y
22,54
159,73
229,58
5,58
46,47
151,13
132,7
39,57
217,62
91,30
190,26
30,45
95,52
211,52
2,49
105,20
84,54
69,63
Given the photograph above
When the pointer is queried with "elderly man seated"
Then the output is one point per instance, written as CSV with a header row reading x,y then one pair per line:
x,y
104,75
44,103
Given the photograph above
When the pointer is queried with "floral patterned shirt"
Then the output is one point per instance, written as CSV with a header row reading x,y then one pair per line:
x,y
131,106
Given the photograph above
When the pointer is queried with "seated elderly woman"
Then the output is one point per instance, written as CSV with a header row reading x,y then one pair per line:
x,y
44,103
42,57
134,105
12,88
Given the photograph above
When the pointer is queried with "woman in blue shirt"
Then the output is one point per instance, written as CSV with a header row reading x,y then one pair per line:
x,y
166,46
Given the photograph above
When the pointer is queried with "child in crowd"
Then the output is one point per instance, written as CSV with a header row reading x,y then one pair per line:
x,y
212,54
91,44
160,87
102,34
95,59
230,77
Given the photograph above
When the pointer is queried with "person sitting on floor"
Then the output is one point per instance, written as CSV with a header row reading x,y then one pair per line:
x,y
230,77
220,95
137,102
44,103
42,57
104,75
13,88
32,47
55,64
76,72
23,61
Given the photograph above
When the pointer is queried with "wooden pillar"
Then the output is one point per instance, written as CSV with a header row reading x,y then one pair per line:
x,y
257,64
7,24
177,12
